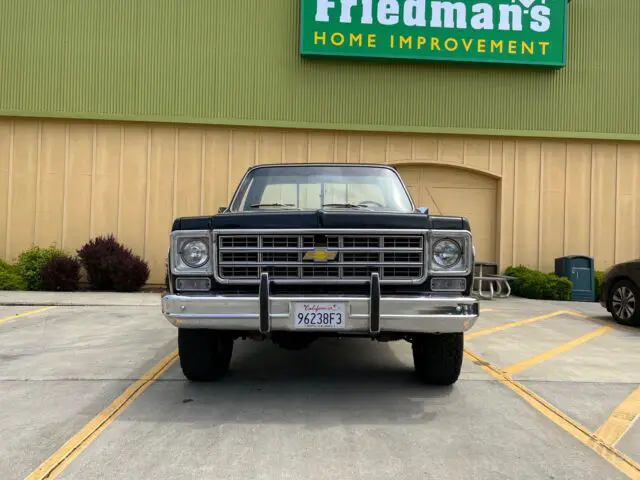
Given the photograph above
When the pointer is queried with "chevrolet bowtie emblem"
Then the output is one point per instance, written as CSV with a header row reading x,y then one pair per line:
x,y
320,255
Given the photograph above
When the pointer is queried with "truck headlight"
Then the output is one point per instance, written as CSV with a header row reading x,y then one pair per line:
x,y
447,252
195,253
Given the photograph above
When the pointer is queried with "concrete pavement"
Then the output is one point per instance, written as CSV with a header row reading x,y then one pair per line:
x,y
340,409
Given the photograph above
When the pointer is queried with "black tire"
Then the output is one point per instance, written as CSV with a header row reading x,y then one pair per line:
x,y
438,358
623,303
205,355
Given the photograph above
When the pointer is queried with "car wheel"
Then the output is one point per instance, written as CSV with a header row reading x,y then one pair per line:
x,y
205,355
438,357
623,300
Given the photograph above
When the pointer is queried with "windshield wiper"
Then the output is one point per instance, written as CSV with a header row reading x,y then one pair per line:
x,y
258,205
343,205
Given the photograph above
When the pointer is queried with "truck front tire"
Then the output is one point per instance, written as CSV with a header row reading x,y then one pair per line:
x,y
205,355
438,357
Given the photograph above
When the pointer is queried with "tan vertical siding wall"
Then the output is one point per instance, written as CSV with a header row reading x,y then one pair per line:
x,y
66,182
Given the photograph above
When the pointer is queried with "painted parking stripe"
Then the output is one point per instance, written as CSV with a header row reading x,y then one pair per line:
x,y
616,458
565,347
57,462
621,420
506,326
24,314
602,321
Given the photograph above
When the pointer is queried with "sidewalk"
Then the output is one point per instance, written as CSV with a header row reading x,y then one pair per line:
x,y
142,299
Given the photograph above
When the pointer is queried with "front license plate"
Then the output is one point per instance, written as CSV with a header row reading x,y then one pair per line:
x,y
319,315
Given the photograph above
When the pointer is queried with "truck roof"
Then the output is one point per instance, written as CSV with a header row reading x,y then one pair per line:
x,y
325,164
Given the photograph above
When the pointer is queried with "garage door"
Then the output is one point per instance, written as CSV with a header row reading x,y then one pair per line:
x,y
452,191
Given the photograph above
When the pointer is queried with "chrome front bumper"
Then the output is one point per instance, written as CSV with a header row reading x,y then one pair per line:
x,y
364,314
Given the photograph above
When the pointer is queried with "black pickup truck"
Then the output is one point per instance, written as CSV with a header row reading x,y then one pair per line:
x,y
311,250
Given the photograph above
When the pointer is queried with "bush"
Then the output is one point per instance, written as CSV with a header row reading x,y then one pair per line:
x,y
61,274
111,266
96,257
563,287
131,274
31,262
598,284
10,278
531,283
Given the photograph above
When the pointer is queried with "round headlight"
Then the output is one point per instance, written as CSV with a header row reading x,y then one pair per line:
x,y
446,252
195,253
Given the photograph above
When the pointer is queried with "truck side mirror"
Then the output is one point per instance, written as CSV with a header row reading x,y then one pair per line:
x,y
221,209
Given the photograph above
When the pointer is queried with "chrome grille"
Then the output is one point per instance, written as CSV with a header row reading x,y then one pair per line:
x,y
396,257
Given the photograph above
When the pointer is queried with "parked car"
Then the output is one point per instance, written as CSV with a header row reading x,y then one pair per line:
x,y
621,292
321,250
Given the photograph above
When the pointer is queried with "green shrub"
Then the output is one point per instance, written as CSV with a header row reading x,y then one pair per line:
x,y
598,284
31,262
531,283
563,287
10,278
519,271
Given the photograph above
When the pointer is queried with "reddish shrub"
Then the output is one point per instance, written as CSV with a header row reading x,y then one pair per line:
x,y
60,274
112,266
130,274
96,256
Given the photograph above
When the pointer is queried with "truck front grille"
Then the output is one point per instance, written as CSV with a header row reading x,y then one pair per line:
x,y
397,258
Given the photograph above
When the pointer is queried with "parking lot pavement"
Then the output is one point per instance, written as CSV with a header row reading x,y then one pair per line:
x,y
11,313
340,409
60,367
573,356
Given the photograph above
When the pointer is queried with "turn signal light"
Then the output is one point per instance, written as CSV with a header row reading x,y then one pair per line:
x,y
448,284
193,284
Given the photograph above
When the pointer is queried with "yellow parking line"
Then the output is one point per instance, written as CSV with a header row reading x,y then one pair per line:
x,y
621,420
602,321
24,314
482,310
569,425
565,347
506,326
57,462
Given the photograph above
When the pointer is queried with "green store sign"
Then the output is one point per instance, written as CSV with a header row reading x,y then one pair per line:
x,y
526,32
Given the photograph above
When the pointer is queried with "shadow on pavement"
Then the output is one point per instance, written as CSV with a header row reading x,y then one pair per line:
x,y
332,382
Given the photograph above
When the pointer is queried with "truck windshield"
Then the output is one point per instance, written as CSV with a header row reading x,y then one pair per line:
x,y
314,187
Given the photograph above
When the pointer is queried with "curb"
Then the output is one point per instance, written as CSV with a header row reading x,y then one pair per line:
x,y
79,299
79,304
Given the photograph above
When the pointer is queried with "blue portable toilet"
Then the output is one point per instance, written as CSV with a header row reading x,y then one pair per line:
x,y
582,273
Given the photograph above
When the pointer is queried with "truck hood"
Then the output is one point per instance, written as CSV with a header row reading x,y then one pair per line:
x,y
294,219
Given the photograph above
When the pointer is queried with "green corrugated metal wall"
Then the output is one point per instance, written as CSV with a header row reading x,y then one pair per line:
x,y
236,62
